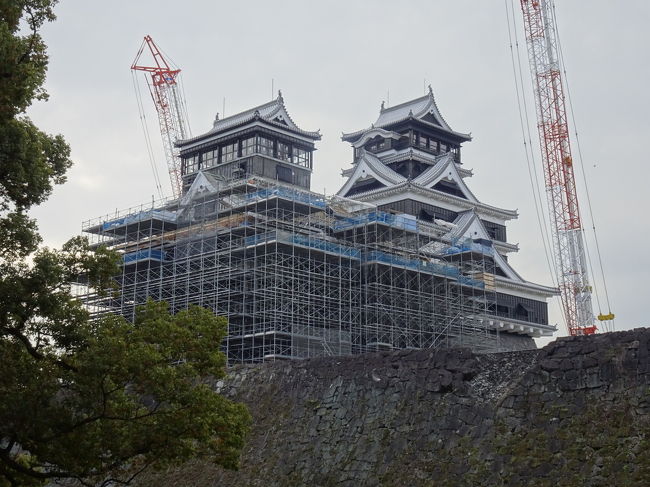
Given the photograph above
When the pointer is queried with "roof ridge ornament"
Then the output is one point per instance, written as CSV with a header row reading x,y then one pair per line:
x,y
382,106
256,114
280,98
430,90
216,119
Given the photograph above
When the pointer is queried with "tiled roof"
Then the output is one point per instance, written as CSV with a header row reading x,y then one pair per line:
x,y
369,165
432,173
273,112
377,194
444,167
463,222
417,108
381,169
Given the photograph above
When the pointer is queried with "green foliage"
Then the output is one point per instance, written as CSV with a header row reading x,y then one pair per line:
x,y
123,397
31,162
92,400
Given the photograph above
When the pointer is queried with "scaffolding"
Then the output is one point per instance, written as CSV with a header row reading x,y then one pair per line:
x,y
299,274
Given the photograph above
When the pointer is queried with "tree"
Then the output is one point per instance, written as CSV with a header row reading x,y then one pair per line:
x,y
93,400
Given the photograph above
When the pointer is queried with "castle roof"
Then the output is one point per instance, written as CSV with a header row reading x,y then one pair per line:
x,y
410,153
273,113
469,225
370,166
423,109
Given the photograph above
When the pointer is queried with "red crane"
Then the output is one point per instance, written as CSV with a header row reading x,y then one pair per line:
x,y
553,130
170,105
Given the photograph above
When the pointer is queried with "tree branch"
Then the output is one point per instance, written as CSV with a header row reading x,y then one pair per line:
x,y
35,353
20,468
32,40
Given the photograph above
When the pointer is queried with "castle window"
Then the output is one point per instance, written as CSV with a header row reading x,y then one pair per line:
x,y
248,146
423,142
377,145
444,147
209,158
503,310
300,157
229,152
456,151
283,151
191,164
265,146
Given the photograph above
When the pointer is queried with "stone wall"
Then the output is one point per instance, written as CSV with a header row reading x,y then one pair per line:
x,y
573,413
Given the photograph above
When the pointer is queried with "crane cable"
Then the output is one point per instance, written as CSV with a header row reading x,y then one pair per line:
x,y
584,176
524,122
147,137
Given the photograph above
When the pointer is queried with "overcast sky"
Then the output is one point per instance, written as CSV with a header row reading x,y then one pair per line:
x,y
335,62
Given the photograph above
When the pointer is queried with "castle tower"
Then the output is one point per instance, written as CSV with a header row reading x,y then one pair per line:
x,y
409,161
405,256
261,141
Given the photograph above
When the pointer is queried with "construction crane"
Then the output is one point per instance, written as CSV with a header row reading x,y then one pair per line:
x,y
567,230
170,105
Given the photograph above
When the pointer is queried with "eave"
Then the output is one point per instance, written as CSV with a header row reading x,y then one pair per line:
x,y
529,287
434,194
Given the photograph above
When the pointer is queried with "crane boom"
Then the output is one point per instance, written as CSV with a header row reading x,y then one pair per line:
x,y
553,129
170,106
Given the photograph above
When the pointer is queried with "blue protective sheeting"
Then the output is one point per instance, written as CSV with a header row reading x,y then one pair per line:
x,y
326,246
262,237
312,242
291,194
403,221
470,246
468,281
416,264
148,254
161,215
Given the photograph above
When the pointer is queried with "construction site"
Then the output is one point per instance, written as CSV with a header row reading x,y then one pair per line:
x,y
403,256
300,275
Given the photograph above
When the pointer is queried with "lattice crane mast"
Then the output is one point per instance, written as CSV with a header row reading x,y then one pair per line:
x,y
553,129
170,105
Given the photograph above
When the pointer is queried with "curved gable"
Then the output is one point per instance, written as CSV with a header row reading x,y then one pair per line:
x,y
447,171
369,166
469,225
372,133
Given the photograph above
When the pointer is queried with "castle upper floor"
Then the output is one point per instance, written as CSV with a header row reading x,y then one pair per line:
x,y
261,141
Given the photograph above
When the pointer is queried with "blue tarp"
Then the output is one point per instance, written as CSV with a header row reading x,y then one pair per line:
x,y
317,243
291,194
416,264
148,254
468,281
162,215
255,239
406,222
470,246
